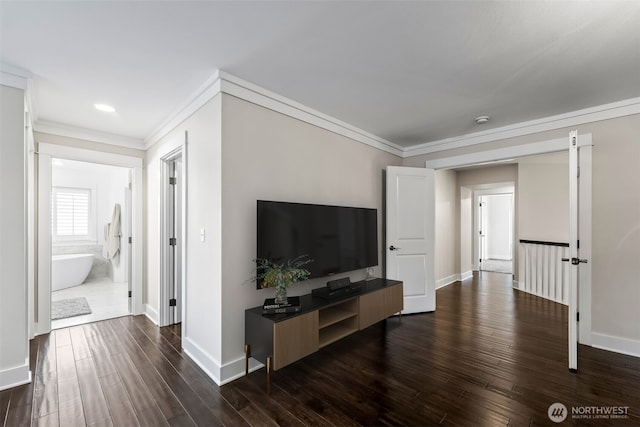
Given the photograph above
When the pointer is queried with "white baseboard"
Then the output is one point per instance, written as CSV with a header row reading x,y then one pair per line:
x,y
14,377
152,314
466,275
615,344
441,283
220,373
203,359
516,284
234,370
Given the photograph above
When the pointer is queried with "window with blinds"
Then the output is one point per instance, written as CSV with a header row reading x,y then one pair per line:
x,y
71,213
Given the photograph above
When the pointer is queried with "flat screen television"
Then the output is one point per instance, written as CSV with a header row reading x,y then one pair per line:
x,y
337,238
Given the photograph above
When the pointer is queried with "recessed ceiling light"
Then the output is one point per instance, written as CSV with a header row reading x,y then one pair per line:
x,y
482,119
104,107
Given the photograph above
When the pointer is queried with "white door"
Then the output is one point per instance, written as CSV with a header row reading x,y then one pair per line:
x,y
579,243
410,235
177,216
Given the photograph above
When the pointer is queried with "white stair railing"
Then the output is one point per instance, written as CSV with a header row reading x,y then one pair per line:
x,y
545,275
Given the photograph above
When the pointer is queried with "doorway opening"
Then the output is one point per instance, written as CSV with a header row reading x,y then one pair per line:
x,y
495,225
172,226
90,230
130,210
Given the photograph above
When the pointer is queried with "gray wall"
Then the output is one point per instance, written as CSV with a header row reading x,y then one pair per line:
x,y
14,348
267,155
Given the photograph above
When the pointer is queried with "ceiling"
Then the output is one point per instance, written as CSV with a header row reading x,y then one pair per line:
x,y
410,72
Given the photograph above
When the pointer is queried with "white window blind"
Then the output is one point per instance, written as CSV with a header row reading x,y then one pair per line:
x,y
71,210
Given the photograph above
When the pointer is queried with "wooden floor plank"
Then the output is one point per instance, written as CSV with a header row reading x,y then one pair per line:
x,y
79,343
160,391
202,385
145,407
93,400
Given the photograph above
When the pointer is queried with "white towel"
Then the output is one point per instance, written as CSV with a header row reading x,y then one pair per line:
x,y
113,242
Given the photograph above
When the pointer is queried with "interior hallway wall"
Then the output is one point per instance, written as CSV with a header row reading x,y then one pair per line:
x,y
202,316
14,329
447,232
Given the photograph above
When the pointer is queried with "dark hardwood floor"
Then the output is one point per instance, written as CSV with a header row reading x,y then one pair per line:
x,y
489,355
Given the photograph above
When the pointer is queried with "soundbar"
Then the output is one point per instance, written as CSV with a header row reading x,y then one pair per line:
x,y
327,293
334,285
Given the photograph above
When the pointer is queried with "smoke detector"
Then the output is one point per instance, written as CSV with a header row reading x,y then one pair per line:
x,y
481,119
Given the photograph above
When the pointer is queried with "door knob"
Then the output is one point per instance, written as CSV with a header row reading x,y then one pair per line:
x,y
575,261
393,248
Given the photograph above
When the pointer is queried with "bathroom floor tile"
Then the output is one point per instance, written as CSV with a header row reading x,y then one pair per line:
x,y
107,300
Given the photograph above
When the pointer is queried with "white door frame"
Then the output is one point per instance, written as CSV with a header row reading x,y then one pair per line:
x,y
164,312
536,148
42,292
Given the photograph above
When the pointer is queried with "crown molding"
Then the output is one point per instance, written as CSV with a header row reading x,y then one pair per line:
x,y
206,92
575,118
255,94
13,76
87,134
222,82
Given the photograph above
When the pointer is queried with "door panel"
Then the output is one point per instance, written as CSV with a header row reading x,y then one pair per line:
x,y
412,268
410,235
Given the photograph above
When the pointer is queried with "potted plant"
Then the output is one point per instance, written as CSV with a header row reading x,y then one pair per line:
x,y
271,274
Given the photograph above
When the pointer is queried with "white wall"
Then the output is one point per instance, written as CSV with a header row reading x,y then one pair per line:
x,y
14,333
202,317
544,207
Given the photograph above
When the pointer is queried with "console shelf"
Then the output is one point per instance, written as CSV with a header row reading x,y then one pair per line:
x,y
335,332
337,321
280,339
337,313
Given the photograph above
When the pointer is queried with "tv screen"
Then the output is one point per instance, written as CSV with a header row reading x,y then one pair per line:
x,y
337,238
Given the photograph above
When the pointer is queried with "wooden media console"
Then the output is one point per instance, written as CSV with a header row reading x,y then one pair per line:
x,y
277,340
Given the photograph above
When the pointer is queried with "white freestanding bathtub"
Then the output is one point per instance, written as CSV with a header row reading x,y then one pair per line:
x,y
69,270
